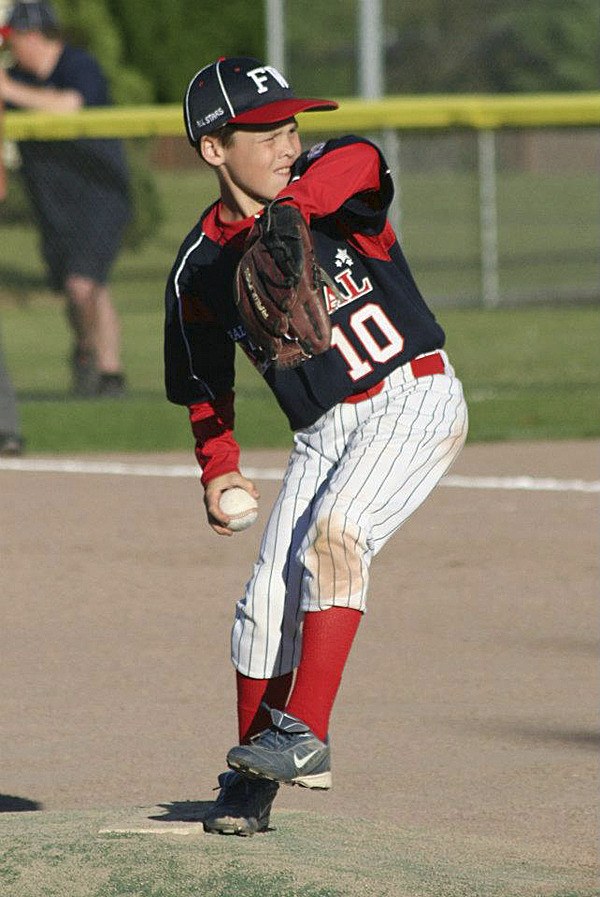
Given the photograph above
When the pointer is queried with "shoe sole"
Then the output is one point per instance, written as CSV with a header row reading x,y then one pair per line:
x,y
320,781
234,826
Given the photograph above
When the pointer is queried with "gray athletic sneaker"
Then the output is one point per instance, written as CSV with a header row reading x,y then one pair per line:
x,y
287,752
243,806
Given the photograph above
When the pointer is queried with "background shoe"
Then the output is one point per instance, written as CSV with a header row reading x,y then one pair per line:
x,y
11,446
111,386
243,806
288,752
84,373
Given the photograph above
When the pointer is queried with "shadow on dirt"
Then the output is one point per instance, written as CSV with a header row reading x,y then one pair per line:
x,y
584,739
184,811
11,804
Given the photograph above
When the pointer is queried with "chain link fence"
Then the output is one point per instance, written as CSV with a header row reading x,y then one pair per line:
x,y
486,218
501,217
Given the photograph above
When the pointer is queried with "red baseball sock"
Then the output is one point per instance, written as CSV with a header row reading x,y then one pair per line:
x,y
252,718
326,641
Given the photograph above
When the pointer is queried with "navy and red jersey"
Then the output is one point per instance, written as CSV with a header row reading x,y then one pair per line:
x,y
379,318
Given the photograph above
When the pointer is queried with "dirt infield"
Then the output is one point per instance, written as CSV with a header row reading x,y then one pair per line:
x,y
469,706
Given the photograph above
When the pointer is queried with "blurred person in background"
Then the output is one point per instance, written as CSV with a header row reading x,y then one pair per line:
x,y
79,190
11,441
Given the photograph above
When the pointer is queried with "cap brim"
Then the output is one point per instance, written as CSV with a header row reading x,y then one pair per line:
x,y
281,110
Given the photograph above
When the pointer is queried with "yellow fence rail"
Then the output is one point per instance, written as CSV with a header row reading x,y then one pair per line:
x,y
474,111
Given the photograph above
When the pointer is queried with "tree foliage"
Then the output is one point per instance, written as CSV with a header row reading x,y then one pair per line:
x,y
493,46
93,26
449,46
169,40
430,45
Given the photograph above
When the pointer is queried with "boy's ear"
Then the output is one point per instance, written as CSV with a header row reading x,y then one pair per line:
x,y
210,149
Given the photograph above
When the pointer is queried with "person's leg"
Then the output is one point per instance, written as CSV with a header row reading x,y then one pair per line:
x,y
327,638
402,446
294,742
265,644
252,694
400,451
97,335
81,312
11,442
266,635
108,333
399,445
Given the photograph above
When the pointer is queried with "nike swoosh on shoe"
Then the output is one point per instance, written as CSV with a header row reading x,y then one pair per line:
x,y
302,761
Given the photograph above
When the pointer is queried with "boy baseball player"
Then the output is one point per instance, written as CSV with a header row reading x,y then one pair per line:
x,y
377,418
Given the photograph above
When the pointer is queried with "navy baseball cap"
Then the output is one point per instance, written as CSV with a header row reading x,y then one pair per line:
x,y
241,90
31,15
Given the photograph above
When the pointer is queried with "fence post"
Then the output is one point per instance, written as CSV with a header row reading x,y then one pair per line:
x,y
370,34
488,218
391,151
275,29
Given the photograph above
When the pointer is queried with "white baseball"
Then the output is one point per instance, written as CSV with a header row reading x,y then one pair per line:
x,y
240,507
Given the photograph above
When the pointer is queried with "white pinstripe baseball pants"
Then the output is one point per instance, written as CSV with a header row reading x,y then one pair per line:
x,y
352,480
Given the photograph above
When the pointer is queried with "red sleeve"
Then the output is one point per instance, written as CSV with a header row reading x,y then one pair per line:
x,y
216,450
334,178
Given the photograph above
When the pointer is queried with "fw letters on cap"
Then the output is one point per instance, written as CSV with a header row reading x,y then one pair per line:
x,y
260,77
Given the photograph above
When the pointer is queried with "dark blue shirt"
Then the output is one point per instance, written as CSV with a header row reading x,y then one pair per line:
x,y
70,165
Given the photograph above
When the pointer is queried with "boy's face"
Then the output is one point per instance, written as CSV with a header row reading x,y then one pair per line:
x,y
258,163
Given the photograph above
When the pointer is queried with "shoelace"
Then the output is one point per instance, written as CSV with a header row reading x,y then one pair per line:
x,y
275,738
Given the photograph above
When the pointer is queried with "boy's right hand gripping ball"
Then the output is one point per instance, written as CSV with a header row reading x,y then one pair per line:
x,y
280,292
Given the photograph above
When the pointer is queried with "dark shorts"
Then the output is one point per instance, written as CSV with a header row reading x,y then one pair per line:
x,y
84,240
80,198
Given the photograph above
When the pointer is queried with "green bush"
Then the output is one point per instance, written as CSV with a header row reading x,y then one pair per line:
x,y
169,40
148,208
92,25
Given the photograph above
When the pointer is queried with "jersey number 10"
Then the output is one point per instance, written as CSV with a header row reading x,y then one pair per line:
x,y
392,342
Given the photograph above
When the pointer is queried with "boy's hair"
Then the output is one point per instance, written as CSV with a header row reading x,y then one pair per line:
x,y
224,134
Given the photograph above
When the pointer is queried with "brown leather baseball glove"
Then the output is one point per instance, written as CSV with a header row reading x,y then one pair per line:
x,y
279,289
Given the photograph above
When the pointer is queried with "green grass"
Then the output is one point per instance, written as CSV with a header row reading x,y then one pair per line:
x,y
548,231
530,373
306,855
